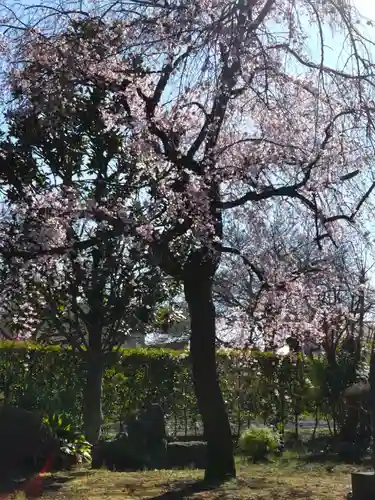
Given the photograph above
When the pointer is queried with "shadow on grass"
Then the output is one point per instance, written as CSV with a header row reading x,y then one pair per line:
x,y
31,483
11,481
332,459
182,490
55,482
321,450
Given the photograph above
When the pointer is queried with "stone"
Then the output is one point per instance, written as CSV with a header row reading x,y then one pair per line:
x,y
187,454
152,422
148,433
134,431
363,485
143,443
117,455
24,438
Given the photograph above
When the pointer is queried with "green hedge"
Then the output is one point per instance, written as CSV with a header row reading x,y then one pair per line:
x,y
257,386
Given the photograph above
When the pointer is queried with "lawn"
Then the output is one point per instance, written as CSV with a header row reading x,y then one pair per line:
x,y
255,482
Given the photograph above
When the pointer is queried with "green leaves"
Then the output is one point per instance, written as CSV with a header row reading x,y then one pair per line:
x,y
258,442
72,441
256,386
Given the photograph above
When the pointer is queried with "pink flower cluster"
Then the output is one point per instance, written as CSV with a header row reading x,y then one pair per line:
x,y
215,105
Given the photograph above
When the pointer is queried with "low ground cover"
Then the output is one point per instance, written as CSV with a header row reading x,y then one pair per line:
x,y
276,480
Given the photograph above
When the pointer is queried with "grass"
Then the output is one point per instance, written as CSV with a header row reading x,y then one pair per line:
x,y
279,480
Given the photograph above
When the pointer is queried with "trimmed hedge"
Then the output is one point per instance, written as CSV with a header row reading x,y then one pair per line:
x,y
255,385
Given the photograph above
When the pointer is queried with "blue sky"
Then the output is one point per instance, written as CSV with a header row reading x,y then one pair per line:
x,y
366,8
337,46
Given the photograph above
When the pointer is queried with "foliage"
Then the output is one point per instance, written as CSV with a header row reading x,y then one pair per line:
x,y
72,441
257,442
36,377
256,386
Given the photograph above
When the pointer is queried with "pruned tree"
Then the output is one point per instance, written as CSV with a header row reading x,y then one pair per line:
x,y
103,289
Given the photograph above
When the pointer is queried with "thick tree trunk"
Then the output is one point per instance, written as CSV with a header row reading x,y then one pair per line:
x,y
372,404
217,431
92,402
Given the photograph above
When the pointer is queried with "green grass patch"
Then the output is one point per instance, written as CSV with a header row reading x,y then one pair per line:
x,y
281,479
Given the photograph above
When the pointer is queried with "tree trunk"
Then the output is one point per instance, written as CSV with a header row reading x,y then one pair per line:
x,y
92,402
296,425
217,431
372,403
316,423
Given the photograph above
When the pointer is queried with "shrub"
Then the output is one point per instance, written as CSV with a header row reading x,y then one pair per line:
x,y
256,385
257,442
73,445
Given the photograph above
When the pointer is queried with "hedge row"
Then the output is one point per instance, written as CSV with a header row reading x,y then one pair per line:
x,y
257,386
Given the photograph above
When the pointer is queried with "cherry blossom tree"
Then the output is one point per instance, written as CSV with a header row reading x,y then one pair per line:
x,y
333,310
218,105
326,284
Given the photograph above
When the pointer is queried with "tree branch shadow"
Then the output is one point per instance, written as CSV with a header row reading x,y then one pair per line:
x,y
32,484
11,480
182,490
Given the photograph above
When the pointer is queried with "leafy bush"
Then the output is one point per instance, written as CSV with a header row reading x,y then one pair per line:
x,y
257,442
257,386
73,445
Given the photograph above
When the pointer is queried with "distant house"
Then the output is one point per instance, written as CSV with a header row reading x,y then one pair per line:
x,y
177,337
178,345
135,340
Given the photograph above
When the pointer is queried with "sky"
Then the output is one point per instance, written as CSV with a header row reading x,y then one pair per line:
x,y
365,7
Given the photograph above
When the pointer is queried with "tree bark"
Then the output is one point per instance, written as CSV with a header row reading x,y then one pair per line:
x,y
92,414
217,431
372,403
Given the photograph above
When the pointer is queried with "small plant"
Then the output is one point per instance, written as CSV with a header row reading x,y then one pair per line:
x,y
19,495
258,442
77,447
73,443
